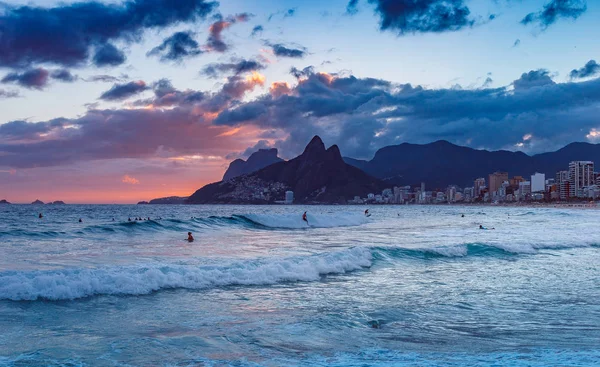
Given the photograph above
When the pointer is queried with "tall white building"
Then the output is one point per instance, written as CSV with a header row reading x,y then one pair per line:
x,y
538,182
581,174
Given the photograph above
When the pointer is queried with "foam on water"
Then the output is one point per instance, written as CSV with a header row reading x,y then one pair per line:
x,y
138,280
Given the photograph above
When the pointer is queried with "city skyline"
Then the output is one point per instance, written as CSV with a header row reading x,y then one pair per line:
x,y
151,99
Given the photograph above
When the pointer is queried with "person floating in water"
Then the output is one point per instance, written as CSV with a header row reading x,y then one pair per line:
x,y
40,216
304,218
190,237
80,220
482,227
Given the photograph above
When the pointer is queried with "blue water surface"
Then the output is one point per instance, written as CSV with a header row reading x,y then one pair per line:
x,y
408,286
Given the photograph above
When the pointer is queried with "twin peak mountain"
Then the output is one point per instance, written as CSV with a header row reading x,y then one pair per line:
x,y
318,175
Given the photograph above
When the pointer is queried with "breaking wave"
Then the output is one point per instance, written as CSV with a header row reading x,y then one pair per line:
x,y
71,284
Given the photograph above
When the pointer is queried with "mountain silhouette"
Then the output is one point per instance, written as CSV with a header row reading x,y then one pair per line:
x,y
441,163
259,159
317,175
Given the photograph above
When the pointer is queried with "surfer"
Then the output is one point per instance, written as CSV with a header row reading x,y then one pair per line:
x,y
40,216
367,213
304,218
129,219
190,237
80,220
462,215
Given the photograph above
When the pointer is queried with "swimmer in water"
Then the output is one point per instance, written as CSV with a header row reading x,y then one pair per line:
x,y
190,237
80,220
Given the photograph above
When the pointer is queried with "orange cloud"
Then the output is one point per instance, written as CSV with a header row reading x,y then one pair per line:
x,y
130,180
280,88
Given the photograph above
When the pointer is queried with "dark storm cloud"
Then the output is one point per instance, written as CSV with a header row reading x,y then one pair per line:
x,y
423,16
362,115
257,30
64,34
532,79
177,47
32,78
591,68
554,10
283,51
63,75
215,70
120,92
108,55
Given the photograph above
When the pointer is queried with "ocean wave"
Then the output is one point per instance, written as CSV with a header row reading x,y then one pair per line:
x,y
314,220
249,221
469,249
69,284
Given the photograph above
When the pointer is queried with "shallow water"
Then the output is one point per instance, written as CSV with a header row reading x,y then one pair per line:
x,y
410,285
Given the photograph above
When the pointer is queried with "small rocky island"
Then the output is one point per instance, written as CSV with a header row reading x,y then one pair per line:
x,y
4,202
37,202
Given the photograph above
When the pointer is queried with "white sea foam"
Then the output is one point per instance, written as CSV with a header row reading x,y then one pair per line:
x,y
315,220
78,283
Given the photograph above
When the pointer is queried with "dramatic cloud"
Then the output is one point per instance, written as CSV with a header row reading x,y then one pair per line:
x,y
257,30
554,10
362,115
283,51
66,33
215,39
63,75
108,55
215,70
590,69
32,78
120,92
173,125
130,180
177,47
532,79
422,16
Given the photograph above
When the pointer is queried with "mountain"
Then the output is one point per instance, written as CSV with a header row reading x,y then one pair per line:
x,y
168,200
4,202
258,160
318,175
441,163
37,202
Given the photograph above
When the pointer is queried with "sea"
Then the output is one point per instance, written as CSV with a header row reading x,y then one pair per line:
x,y
407,286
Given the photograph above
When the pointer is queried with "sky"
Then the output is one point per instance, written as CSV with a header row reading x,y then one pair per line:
x,y
123,101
